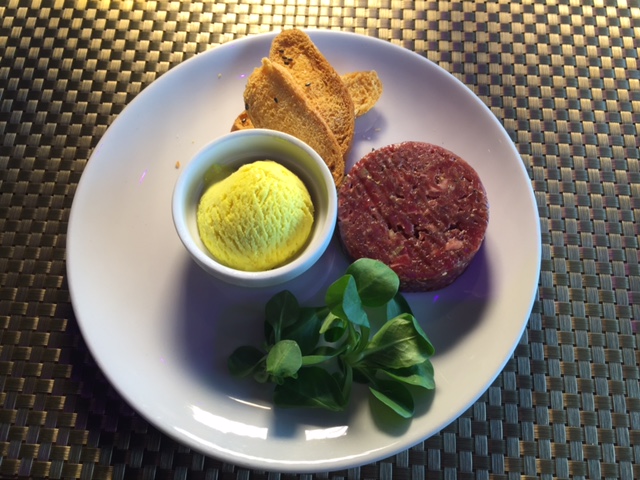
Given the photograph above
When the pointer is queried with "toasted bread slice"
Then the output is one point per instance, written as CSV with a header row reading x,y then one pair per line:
x,y
242,122
274,100
365,89
294,50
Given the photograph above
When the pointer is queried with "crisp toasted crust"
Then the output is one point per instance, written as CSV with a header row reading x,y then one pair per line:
x,y
276,101
365,89
323,87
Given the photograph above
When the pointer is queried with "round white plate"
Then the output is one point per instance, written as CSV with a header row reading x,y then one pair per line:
x,y
161,329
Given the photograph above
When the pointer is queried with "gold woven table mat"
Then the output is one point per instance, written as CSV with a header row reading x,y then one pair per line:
x,y
562,76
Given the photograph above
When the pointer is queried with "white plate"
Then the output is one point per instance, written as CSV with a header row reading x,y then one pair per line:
x,y
161,329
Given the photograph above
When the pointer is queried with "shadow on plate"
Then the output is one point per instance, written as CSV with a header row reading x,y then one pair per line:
x,y
368,131
318,424
214,318
449,314
392,424
309,423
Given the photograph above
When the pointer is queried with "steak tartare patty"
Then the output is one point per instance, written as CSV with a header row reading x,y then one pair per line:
x,y
417,207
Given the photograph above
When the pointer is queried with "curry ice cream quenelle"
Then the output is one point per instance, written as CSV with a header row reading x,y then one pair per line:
x,y
258,218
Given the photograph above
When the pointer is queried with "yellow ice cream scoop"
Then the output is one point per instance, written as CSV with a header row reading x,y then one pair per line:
x,y
257,218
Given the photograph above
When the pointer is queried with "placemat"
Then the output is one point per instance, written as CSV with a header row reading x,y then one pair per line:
x,y
561,75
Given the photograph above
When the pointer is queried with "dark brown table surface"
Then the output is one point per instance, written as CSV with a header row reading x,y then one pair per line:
x,y
561,75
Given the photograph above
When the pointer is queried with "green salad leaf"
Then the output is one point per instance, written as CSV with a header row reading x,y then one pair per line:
x,y
314,387
284,360
400,343
313,355
395,396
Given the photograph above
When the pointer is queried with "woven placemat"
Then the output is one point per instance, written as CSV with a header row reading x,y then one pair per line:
x,y
562,76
